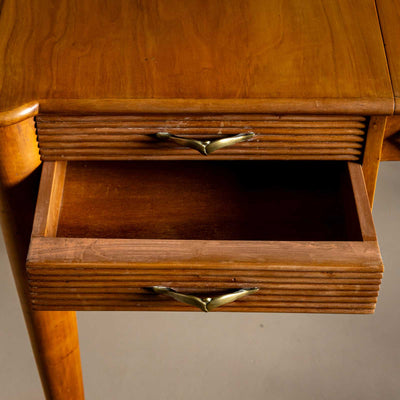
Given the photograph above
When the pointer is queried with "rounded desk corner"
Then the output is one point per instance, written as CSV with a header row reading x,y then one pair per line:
x,y
18,114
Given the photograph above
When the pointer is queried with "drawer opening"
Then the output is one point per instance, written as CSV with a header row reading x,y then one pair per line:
x,y
213,200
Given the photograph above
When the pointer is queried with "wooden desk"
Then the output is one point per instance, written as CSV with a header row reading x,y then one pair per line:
x,y
96,81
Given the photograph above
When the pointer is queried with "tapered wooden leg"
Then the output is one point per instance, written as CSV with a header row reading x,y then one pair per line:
x,y
53,334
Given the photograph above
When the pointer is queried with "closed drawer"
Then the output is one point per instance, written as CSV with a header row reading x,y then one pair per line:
x,y
301,232
133,137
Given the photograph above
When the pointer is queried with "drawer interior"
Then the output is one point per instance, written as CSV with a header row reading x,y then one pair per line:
x,y
213,200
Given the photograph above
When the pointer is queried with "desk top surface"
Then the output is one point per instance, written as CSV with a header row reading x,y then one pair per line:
x,y
300,56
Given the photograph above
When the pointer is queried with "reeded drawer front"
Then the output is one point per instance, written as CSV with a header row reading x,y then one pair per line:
x,y
133,137
301,232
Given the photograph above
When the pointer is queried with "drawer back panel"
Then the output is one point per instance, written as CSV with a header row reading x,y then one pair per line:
x,y
132,137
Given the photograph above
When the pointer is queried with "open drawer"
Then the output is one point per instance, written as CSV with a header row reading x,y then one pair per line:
x,y
113,235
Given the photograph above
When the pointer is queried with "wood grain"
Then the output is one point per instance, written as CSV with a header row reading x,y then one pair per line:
x,y
328,57
281,256
175,307
389,16
226,64
48,276
66,137
214,200
278,292
361,200
18,114
53,335
49,199
372,154
68,273
279,105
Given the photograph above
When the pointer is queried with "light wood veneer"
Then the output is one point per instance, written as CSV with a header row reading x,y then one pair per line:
x,y
232,56
312,69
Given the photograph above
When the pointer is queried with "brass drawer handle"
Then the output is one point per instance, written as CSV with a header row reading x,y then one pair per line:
x,y
205,147
207,304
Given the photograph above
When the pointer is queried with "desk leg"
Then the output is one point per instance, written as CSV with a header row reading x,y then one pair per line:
x,y
372,154
53,334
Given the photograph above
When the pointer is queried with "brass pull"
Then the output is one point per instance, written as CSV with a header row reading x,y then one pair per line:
x,y
205,147
207,304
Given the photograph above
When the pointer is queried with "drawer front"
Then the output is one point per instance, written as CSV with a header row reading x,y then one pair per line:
x,y
106,233
291,277
131,137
